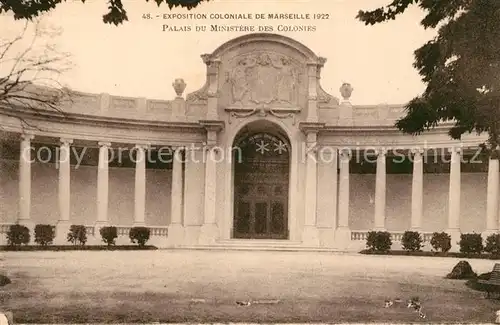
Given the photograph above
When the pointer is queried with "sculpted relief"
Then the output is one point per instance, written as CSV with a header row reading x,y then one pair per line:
x,y
263,78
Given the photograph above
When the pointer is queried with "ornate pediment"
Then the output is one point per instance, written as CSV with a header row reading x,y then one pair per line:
x,y
263,78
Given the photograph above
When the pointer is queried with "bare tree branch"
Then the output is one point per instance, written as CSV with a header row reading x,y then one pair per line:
x,y
31,67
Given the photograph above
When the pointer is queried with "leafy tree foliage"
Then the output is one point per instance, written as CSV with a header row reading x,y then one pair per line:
x,y
116,14
460,67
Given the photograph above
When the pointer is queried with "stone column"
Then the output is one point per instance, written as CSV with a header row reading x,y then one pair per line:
x,y
140,185
209,230
63,224
417,190
492,198
380,191
343,233
326,218
454,197
25,181
310,234
176,229
103,184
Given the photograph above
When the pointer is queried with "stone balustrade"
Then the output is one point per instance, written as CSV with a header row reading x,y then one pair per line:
x,y
92,232
4,227
181,110
362,235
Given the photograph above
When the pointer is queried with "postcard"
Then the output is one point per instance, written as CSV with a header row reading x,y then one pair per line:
x,y
249,161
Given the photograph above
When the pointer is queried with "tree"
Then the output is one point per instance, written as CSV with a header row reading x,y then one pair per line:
x,y
460,67
116,12
29,69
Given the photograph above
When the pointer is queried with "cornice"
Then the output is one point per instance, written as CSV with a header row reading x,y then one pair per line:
x,y
372,129
95,120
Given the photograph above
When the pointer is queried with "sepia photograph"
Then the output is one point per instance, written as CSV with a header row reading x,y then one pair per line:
x,y
249,161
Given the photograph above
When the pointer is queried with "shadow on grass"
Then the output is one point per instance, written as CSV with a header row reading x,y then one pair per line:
x,y
475,285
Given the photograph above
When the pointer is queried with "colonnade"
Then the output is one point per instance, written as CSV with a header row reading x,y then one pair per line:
x,y
102,199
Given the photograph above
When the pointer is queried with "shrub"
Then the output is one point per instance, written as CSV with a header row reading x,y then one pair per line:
x,y
4,280
77,234
44,234
493,244
411,241
139,235
441,241
18,235
379,241
109,235
461,271
471,243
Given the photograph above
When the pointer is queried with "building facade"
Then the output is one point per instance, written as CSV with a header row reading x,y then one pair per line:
x,y
260,156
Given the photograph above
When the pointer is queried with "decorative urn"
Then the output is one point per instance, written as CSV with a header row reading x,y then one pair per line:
x,y
346,90
179,86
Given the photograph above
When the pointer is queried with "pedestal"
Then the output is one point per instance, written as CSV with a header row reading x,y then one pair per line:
x,y
485,234
97,239
28,223
326,237
62,229
455,239
310,236
342,237
175,235
209,233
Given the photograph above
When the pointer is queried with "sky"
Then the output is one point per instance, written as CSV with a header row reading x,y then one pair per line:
x,y
139,59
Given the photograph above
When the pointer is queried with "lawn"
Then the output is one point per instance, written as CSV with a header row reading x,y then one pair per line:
x,y
205,286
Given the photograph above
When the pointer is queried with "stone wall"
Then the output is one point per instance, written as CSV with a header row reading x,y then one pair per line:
x,y
44,196
435,212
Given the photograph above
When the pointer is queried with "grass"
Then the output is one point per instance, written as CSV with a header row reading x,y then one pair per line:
x,y
204,286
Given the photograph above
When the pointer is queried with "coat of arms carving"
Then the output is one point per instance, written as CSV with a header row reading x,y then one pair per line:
x,y
264,78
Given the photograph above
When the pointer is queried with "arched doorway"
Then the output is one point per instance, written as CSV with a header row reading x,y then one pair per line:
x,y
261,183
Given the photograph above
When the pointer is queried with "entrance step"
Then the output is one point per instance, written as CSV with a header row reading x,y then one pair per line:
x,y
260,245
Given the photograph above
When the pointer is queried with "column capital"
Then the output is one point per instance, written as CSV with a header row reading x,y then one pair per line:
x,y
327,150
380,152
27,136
311,127
104,144
212,125
416,151
345,153
178,147
212,148
66,141
142,146
457,150
177,150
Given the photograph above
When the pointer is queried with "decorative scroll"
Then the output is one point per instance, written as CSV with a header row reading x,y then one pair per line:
x,y
263,111
199,96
